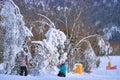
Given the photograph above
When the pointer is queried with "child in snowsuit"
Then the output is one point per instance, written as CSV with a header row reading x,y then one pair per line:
x,y
23,64
62,68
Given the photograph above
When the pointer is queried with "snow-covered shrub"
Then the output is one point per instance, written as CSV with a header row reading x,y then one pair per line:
x,y
85,55
105,47
46,55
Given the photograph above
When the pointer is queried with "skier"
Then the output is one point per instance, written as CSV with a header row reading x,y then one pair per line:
x,y
23,63
62,69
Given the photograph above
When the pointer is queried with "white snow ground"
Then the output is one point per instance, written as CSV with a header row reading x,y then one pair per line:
x,y
97,73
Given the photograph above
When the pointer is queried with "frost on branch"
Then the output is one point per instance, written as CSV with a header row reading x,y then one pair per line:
x,y
15,33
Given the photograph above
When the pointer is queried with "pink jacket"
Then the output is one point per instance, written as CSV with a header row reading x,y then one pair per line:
x,y
23,60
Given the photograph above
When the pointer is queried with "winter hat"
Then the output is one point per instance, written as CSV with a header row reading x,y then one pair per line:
x,y
22,54
62,61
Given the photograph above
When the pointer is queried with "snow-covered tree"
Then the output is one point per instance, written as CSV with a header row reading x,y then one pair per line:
x,y
88,51
15,33
47,52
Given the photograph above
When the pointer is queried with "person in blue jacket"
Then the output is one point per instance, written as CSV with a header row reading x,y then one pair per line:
x,y
62,69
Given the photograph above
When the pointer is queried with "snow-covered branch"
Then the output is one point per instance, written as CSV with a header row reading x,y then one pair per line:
x,y
52,24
